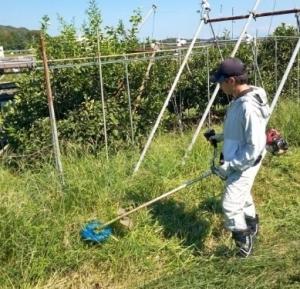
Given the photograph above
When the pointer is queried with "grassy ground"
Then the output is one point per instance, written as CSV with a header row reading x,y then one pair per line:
x,y
177,243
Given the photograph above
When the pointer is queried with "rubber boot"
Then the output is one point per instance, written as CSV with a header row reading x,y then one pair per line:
x,y
253,225
244,242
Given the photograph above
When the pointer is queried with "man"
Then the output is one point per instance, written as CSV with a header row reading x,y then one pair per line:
x,y
243,149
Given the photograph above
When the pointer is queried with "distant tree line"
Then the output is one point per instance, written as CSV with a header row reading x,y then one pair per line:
x,y
12,38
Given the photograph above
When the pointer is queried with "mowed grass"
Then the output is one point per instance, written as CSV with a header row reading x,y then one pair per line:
x,y
177,243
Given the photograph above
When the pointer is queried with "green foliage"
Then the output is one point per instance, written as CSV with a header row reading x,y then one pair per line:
x,y
274,56
287,119
76,90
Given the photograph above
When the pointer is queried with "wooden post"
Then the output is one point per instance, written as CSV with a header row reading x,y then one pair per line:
x,y
51,112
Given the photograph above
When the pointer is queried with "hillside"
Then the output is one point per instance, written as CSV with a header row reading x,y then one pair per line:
x,y
12,38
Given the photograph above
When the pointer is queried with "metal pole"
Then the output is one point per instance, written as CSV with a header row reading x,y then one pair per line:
x,y
276,62
257,69
298,64
129,100
180,96
298,78
237,45
153,22
102,94
257,15
208,83
285,76
168,97
56,149
254,49
215,40
232,13
152,10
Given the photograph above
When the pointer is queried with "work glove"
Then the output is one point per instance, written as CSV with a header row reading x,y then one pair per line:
x,y
218,137
222,171
213,137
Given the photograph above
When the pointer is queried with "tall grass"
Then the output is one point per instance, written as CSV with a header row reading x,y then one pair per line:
x,y
286,117
177,243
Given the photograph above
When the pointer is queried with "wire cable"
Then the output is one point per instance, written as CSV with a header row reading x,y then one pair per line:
x,y
153,21
271,20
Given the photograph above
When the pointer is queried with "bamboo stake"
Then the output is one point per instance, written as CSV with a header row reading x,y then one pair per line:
x,y
55,142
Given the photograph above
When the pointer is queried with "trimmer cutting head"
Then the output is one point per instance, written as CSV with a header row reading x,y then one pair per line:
x,y
95,232
91,234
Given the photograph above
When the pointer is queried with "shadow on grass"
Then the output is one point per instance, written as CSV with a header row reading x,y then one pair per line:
x,y
185,224
177,220
211,204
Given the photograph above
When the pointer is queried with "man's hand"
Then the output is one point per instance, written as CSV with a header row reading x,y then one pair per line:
x,y
221,171
212,137
218,137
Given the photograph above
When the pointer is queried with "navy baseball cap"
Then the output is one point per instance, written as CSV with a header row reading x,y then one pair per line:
x,y
229,67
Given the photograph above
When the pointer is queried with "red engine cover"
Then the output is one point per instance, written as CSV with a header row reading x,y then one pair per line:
x,y
272,135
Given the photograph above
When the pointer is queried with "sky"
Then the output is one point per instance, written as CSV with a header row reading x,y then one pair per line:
x,y
173,18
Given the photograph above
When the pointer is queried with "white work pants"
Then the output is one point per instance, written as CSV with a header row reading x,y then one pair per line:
x,y
237,201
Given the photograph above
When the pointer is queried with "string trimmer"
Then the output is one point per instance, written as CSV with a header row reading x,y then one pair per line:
x,y
97,232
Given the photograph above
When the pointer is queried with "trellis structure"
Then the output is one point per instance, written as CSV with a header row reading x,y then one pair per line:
x,y
101,60
205,18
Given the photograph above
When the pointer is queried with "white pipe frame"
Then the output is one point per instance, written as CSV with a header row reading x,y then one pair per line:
x,y
152,10
171,91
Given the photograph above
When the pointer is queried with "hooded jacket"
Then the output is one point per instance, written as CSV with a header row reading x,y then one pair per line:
x,y
244,129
